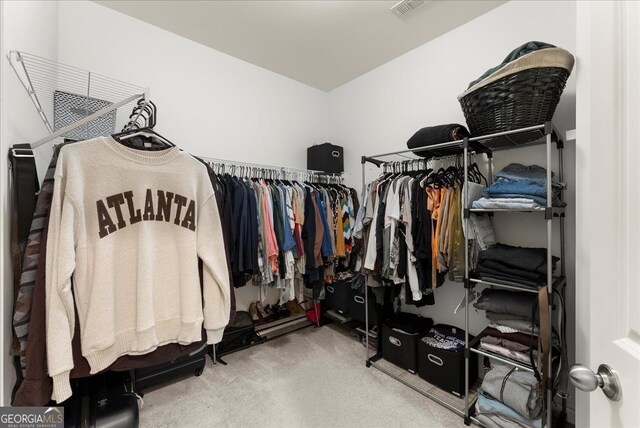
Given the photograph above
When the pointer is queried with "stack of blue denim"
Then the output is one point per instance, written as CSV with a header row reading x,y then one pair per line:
x,y
519,187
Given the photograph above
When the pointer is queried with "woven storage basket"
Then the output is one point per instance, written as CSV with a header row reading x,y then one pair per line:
x,y
523,93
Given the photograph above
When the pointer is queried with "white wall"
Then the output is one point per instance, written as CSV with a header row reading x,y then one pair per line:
x,y
379,111
33,27
210,103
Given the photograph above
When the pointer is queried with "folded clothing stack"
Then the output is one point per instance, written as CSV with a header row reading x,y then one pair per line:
x,y
519,187
521,405
509,309
445,337
503,305
517,346
508,264
508,397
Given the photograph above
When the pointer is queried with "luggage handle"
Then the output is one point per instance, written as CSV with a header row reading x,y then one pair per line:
x,y
435,360
358,299
395,341
335,154
330,289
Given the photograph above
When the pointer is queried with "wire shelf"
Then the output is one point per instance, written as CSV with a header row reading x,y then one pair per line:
x,y
63,94
413,381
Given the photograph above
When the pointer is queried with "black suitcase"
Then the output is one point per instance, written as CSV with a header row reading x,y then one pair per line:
x,y
189,364
115,410
445,368
239,334
357,307
325,157
338,296
106,403
400,337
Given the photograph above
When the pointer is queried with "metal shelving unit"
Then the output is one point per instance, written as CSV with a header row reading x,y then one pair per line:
x,y
545,134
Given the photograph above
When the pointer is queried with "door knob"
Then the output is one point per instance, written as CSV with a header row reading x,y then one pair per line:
x,y
586,380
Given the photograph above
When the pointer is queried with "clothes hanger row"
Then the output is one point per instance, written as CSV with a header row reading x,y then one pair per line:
x,y
281,174
449,173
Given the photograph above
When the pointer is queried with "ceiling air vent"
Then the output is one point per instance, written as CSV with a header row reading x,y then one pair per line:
x,y
406,6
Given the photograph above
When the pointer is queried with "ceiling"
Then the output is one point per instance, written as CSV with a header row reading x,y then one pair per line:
x,y
323,44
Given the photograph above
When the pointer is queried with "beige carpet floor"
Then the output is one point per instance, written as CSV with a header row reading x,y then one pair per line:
x,y
315,377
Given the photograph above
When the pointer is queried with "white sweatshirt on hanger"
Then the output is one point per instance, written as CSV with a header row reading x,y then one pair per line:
x,y
129,226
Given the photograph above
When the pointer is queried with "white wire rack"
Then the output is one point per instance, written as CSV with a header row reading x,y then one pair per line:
x,y
49,83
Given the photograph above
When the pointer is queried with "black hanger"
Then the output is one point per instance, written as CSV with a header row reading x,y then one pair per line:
x,y
480,175
143,137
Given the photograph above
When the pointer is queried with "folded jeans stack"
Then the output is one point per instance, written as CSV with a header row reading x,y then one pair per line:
x,y
509,264
519,187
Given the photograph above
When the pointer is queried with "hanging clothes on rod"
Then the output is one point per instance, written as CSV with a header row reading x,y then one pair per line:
x,y
411,221
289,227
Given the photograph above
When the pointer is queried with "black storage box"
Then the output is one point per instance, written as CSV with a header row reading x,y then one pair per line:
x,y
357,307
192,363
239,334
400,337
325,157
338,296
445,368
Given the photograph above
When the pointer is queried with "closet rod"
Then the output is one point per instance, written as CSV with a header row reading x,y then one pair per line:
x,y
399,152
87,119
265,166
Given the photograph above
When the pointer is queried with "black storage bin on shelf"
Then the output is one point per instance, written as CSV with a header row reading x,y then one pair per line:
x,y
239,334
445,368
338,295
325,157
400,337
357,307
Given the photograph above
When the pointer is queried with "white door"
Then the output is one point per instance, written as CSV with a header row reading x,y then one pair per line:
x,y
608,207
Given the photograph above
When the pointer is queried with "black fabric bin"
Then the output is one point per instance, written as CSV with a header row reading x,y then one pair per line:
x,y
357,307
239,334
445,368
400,337
338,296
325,157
